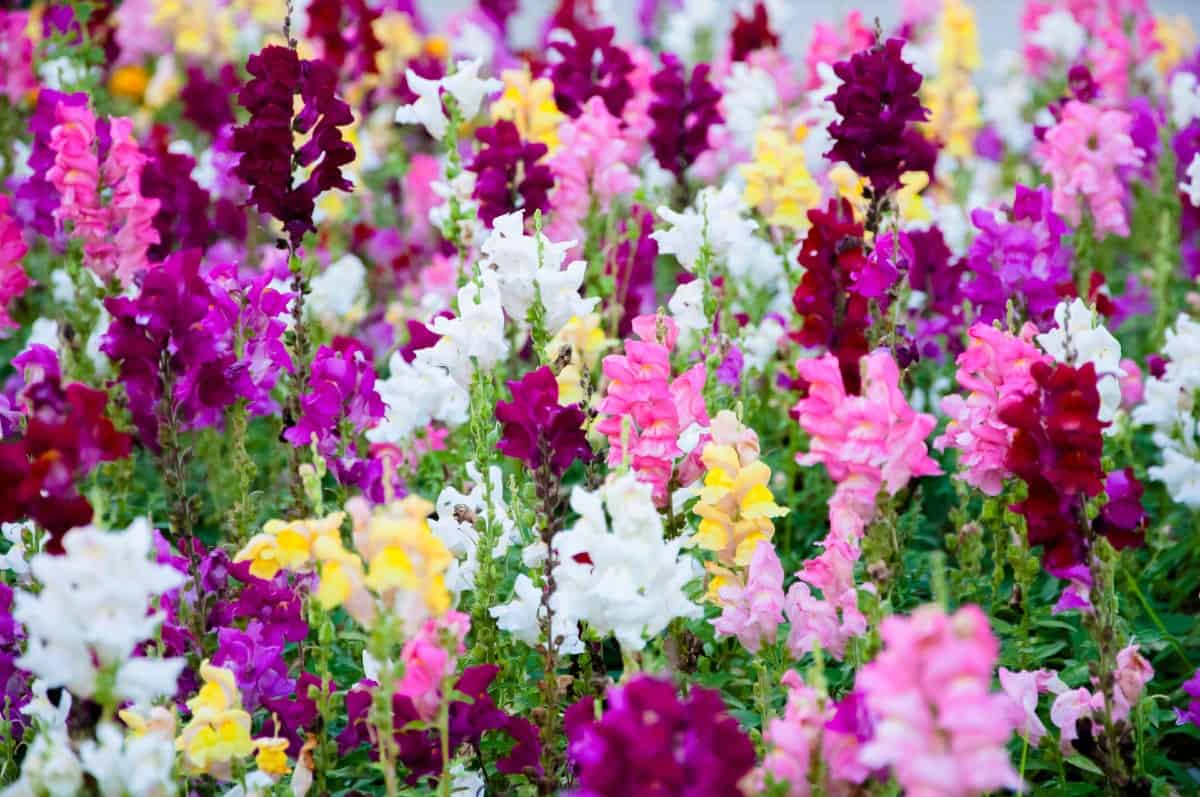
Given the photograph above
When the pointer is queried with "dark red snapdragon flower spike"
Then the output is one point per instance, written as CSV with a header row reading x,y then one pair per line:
x,y
631,265
66,436
682,111
269,156
344,29
207,101
591,66
537,429
751,33
508,173
182,220
877,103
833,313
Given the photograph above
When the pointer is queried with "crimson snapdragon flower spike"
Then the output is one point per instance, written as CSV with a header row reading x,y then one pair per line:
x,y
537,429
509,174
346,33
269,156
591,66
751,33
877,103
682,111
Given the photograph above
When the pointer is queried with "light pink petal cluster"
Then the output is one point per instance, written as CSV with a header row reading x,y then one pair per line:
x,y
938,726
648,410
115,236
833,618
994,369
754,611
17,80
589,166
13,279
1023,688
429,658
1085,155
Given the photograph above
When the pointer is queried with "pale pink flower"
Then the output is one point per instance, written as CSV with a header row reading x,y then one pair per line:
x,y
1130,679
1085,153
1133,390
419,197
132,215
13,279
833,618
994,369
1023,687
754,611
1070,707
938,727
429,658
17,80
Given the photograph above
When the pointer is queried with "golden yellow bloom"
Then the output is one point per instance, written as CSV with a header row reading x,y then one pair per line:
x,y
219,730
953,112
529,104
778,183
271,757
584,337
1176,39
401,42
158,721
736,506
438,46
404,555
129,81
287,545
201,28
908,197
849,186
960,38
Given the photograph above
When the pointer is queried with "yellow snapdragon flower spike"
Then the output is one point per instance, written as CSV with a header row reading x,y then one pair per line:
x,y
529,104
271,757
585,338
908,197
778,182
953,112
287,545
1176,39
736,506
219,730
401,42
960,38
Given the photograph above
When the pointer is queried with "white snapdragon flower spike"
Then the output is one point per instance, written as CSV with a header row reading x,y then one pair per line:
x,y
1185,99
1080,337
416,394
687,306
759,344
626,580
475,338
719,214
529,267
15,559
92,612
1170,408
486,503
1060,34
338,293
130,763
521,618
1191,188
465,85
50,766
748,94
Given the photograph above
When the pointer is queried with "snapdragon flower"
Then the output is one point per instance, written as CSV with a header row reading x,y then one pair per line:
x,y
464,85
1170,408
1079,337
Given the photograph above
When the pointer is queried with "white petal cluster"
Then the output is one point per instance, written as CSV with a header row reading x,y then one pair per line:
x,y
416,394
50,766
475,337
15,559
1185,99
338,294
460,534
717,214
1080,337
532,266
687,305
1170,407
1059,33
1191,188
465,85
748,94
92,611
130,763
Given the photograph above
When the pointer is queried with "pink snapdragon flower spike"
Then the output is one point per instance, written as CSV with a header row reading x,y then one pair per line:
x,y
833,618
1085,155
1023,687
753,612
430,658
1070,707
656,408
13,279
938,726
993,370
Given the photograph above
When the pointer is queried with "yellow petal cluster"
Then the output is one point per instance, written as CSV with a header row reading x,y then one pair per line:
x,y
400,40
1176,40
219,730
736,506
584,337
271,756
954,118
529,104
288,545
959,38
778,182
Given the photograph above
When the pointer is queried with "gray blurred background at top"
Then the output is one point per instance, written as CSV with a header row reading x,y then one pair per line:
x,y
998,20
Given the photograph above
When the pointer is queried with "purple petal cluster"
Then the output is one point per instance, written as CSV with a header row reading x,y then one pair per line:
x,y
631,266
508,173
1020,256
682,112
938,274
206,101
182,220
269,156
651,742
537,429
255,656
1186,144
877,102
591,66
14,682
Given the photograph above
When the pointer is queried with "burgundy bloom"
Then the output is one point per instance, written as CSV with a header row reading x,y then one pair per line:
x,y
182,220
295,713
631,266
682,111
537,429
751,33
269,156
508,174
591,66
206,101
651,742
938,274
344,29
877,100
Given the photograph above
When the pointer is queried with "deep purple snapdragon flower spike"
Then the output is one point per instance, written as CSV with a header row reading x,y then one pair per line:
x,y
591,66
256,658
683,111
508,173
877,102
537,429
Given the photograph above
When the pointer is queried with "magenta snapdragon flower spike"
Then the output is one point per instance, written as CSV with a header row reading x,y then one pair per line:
x,y
510,174
651,742
683,110
878,104
269,156
591,66
538,430
13,279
